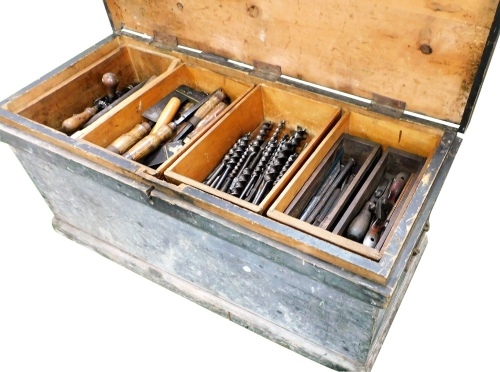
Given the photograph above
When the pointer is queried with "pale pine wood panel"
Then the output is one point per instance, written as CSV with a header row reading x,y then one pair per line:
x,y
359,47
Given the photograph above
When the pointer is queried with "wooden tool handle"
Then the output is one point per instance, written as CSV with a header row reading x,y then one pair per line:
x,y
212,115
217,97
151,142
110,81
168,113
127,140
72,124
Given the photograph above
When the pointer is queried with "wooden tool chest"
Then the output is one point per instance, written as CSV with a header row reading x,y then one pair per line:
x,y
259,268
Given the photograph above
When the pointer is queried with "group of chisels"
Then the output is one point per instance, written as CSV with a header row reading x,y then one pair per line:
x,y
168,125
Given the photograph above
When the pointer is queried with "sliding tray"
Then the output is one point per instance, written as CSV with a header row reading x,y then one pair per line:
x,y
366,136
130,114
395,168
78,85
264,103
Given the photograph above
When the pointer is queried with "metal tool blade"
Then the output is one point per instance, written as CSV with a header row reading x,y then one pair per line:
x,y
183,92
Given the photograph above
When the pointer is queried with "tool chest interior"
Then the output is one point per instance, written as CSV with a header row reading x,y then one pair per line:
x,y
289,167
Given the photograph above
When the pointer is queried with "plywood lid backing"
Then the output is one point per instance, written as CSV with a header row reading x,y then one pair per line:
x,y
425,53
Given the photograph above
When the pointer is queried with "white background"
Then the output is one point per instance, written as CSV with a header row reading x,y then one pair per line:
x,y
65,308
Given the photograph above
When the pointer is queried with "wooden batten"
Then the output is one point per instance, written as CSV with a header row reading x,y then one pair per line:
x,y
423,53
263,103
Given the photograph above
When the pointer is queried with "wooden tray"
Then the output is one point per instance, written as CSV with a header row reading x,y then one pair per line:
x,y
76,87
263,103
123,120
385,132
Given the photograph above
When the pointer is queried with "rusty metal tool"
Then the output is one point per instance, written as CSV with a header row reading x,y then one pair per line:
x,y
384,209
360,224
377,226
121,95
332,173
330,186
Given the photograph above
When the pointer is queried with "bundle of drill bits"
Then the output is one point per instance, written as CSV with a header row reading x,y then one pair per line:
x,y
253,166
338,177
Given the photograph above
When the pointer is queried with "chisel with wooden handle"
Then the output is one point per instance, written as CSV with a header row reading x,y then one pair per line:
x,y
127,140
212,115
121,95
166,131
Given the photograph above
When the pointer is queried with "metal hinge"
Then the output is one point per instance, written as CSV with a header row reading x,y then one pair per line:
x,y
164,41
266,71
387,106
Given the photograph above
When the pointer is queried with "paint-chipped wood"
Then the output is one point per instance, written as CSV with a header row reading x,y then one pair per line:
x,y
218,267
425,53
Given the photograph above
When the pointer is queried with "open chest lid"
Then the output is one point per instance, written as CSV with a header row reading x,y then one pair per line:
x,y
431,55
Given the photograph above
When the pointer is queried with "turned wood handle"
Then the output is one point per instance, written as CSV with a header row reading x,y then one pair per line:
x,y
151,142
168,113
110,81
212,115
72,124
217,97
127,140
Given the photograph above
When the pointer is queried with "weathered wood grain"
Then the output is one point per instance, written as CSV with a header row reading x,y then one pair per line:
x,y
425,53
198,250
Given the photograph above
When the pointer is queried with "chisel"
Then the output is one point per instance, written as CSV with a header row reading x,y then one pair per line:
x,y
165,131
